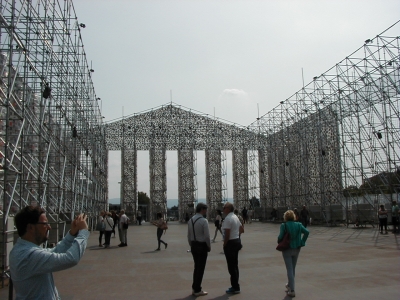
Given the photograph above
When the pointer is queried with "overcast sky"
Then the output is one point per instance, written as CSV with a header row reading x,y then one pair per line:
x,y
230,57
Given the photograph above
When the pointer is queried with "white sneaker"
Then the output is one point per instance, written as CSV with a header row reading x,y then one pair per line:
x,y
291,294
201,293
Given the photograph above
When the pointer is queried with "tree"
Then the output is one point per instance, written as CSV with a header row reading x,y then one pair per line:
x,y
352,191
143,199
174,207
254,202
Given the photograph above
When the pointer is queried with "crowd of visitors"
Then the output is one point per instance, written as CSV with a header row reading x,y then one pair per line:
x,y
31,265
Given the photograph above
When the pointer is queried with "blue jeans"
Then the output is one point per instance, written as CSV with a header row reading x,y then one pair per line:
x,y
290,257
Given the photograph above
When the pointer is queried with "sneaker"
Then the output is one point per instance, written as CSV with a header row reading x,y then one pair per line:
x,y
201,293
121,245
291,294
287,287
166,245
231,290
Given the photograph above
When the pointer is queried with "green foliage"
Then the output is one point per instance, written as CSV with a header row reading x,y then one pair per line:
x,y
174,207
352,191
254,202
143,199
382,183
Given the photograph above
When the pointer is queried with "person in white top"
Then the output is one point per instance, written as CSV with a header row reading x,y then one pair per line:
x,y
232,244
109,222
123,220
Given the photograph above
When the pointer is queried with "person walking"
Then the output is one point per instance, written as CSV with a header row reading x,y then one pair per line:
x,y
32,266
304,216
115,218
232,245
101,227
395,217
123,228
199,242
218,224
139,217
109,222
244,214
383,216
297,241
160,224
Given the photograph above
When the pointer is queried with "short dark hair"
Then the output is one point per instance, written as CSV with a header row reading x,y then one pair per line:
x,y
27,215
230,206
159,215
201,206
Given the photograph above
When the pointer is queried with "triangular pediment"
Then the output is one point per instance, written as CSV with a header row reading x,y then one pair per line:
x,y
173,127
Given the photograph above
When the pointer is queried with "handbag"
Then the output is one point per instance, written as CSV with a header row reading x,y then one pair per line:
x,y
125,225
284,244
100,226
164,226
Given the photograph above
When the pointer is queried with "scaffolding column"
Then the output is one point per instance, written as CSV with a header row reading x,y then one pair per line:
x,y
186,181
240,178
158,182
213,180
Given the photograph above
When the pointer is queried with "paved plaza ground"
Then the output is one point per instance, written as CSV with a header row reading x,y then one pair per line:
x,y
337,263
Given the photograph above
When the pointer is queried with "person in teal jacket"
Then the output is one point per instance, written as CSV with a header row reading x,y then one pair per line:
x,y
298,237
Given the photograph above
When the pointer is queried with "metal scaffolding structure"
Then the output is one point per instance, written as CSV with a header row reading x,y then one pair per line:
x,y
335,144
332,146
52,149
173,127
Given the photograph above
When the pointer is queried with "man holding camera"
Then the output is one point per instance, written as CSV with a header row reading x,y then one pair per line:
x,y
31,266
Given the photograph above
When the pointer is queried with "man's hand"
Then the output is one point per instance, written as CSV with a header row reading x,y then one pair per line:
x,y
78,224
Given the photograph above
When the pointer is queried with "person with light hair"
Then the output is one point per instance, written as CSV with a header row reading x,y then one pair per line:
x,y
297,241
123,228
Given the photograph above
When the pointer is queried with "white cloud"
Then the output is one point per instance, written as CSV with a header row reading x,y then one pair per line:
x,y
230,94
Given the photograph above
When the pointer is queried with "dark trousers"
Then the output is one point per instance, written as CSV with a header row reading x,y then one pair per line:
x,y
101,237
107,237
139,220
159,235
304,221
395,221
199,252
231,251
382,223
